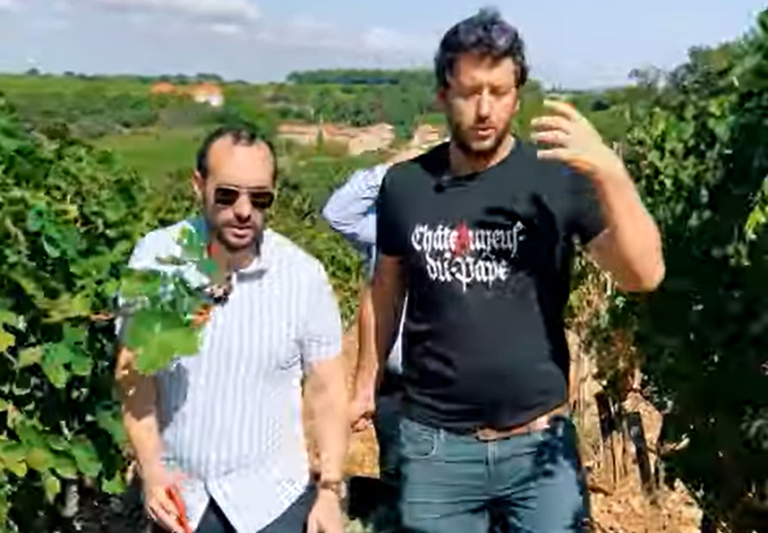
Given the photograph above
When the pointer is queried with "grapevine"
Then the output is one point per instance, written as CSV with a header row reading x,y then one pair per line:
x,y
63,213
698,152
165,308
70,215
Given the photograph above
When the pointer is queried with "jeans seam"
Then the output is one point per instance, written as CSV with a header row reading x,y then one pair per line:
x,y
436,438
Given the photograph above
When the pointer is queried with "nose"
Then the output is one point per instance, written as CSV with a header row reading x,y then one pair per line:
x,y
484,105
242,208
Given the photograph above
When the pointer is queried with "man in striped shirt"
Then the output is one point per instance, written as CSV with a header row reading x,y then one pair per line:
x,y
225,424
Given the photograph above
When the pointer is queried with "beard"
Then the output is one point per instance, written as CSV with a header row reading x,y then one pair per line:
x,y
237,239
233,237
475,148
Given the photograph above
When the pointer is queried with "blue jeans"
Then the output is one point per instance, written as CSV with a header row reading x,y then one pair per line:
x,y
532,483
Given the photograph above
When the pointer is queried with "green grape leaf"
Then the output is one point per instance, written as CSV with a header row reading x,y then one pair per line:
x,y
4,508
50,247
7,339
109,420
19,468
192,243
74,336
116,485
66,307
56,373
141,283
157,337
52,486
86,457
58,443
29,435
29,356
59,354
11,451
6,317
64,466
39,459
12,455
36,219
81,365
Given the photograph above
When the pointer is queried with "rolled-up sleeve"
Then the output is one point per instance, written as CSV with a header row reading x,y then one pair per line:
x,y
321,337
351,208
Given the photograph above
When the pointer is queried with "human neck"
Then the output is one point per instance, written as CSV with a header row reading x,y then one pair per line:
x,y
231,261
463,163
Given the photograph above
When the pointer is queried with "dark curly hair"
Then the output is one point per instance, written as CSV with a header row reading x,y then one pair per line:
x,y
485,33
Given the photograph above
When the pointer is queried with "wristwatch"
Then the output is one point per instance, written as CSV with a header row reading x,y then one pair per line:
x,y
337,486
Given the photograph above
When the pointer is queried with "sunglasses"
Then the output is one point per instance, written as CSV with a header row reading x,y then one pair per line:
x,y
228,196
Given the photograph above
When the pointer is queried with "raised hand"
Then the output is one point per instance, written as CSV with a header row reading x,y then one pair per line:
x,y
572,139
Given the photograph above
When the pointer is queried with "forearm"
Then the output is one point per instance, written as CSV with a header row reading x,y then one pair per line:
x,y
367,362
328,399
634,234
138,397
387,297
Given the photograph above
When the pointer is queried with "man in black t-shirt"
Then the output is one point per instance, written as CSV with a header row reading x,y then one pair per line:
x,y
479,233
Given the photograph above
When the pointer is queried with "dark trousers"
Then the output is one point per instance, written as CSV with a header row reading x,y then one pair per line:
x,y
293,519
386,423
531,483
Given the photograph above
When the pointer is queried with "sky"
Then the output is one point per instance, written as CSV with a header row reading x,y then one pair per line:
x,y
569,43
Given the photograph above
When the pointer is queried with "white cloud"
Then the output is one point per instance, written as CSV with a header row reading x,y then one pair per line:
x,y
230,10
304,32
311,24
9,5
242,20
308,33
224,36
224,28
389,40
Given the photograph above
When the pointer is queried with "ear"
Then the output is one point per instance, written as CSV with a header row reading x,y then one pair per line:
x,y
198,184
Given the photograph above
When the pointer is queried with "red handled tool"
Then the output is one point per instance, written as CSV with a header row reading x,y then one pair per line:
x,y
178,501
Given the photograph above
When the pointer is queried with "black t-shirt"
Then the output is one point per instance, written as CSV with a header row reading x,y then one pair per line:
x,y
488,257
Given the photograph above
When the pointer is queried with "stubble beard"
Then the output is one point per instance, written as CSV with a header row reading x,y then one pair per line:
x,y
233,249
474,153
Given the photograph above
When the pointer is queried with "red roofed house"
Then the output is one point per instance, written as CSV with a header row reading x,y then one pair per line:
x,y
207,93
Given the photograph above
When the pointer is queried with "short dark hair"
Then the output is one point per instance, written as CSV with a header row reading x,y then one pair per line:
x,y
241,134
485,33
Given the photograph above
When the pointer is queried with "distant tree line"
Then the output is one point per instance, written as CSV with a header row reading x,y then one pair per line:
x,y
361,77
177,79
93,106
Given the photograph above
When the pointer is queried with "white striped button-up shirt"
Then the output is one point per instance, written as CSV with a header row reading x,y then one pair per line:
x,y
230,416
